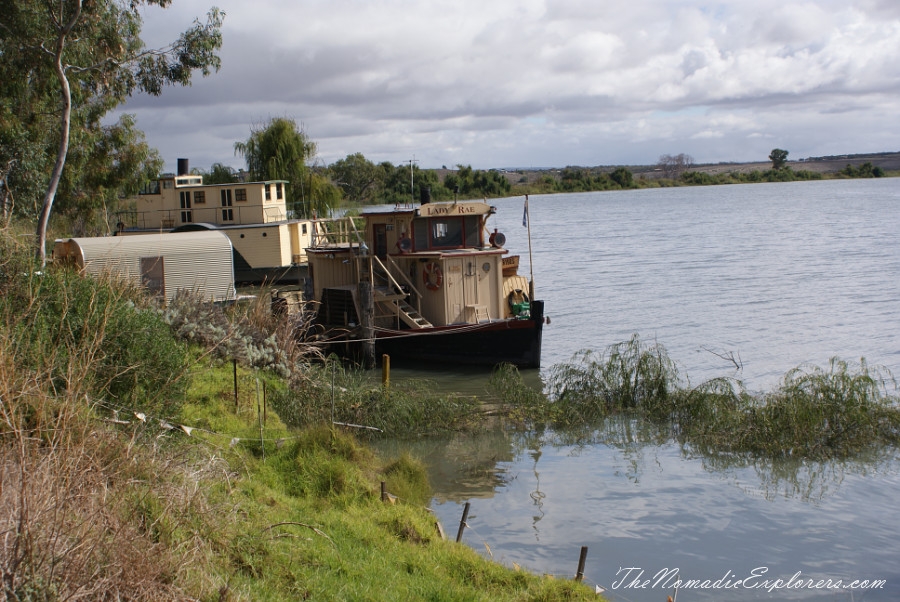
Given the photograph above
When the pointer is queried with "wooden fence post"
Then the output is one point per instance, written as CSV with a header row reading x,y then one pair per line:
x,y
579,575
462,523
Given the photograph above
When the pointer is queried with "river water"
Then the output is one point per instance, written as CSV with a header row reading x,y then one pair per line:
x,y
747,281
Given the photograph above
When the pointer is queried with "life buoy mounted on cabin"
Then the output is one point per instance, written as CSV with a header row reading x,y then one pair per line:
x,y
433,276
519,303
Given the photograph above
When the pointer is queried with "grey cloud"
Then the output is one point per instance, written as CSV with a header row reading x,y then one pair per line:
x,y
594,81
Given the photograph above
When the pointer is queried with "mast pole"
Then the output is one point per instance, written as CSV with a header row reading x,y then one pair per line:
x,y
412,186
530,259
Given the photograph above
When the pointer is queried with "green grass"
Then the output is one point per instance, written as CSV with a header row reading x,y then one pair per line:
x,y
405,409
130,471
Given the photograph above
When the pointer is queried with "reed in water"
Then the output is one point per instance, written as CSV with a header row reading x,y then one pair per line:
x,y
815,413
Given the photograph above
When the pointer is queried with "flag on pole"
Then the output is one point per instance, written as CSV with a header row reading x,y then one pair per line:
x,y
525,213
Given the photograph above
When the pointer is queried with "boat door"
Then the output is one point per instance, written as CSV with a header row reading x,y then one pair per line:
x,y
462,289
379,233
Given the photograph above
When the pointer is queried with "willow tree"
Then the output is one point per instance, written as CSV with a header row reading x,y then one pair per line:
x,y
79,59
281,151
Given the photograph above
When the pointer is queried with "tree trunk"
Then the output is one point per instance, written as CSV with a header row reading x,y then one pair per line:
x,y
65,126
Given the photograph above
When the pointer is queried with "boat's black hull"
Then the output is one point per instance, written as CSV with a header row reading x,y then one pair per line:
x,y
516,342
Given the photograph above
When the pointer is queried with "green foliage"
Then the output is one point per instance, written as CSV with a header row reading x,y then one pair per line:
x,y
623,177
866,170
357,177
577,179
405,409
200,322
220,174
815,414
407,478
820,413
323,464
398,185
477,183
66,65
280,150
785,174
778,157
87,335
628,376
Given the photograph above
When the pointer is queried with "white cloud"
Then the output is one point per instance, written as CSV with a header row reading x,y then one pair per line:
x,y
539,82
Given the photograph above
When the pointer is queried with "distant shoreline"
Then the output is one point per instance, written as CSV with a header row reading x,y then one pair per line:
x,y
888,161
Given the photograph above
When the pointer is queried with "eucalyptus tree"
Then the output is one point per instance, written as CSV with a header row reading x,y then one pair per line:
x,y
471,182
359,178
67,63
778,157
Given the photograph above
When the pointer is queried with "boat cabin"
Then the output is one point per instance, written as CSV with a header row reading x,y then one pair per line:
x,y
429,266
267,244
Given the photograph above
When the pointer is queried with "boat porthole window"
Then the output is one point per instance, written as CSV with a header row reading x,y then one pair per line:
x,y
265,234
486,267
242,236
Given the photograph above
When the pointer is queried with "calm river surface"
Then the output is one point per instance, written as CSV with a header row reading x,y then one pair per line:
x,y
773,275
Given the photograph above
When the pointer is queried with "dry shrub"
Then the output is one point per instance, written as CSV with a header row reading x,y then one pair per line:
x,y
248,332
71,493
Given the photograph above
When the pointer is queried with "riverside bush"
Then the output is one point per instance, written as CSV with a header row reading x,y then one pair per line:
x,y
247,332
405,409
97,337
814,414
133,509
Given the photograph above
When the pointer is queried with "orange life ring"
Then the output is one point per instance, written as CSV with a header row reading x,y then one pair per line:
x,y
432,276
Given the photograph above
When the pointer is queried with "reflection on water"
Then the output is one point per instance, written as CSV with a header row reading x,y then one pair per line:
x,y
777,274
463,466
635,500
477,465
805,480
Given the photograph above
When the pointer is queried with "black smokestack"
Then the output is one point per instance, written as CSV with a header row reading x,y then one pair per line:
x,y
183,167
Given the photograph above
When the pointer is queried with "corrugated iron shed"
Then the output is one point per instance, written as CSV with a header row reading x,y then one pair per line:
x,y
201,262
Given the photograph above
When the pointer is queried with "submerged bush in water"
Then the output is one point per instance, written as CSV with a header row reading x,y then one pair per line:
x,y
815,413
629,376
819,413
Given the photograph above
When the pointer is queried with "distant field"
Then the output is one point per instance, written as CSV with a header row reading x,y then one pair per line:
x,y
886,161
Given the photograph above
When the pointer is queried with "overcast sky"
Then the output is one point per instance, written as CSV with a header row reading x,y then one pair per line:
x,y
537,83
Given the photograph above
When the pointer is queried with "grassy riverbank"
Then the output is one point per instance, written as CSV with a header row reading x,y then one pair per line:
x,y
188,453
132,468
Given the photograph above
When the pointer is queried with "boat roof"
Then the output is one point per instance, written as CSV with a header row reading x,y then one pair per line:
x,y
431,209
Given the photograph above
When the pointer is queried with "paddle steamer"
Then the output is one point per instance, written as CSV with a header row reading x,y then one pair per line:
x,y
426,282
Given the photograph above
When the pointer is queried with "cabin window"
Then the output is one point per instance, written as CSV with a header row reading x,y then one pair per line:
x,y
199,197
186,214
268,192
279,192
446,232
473,231
153,275
227,211
303,228
240,195
151,187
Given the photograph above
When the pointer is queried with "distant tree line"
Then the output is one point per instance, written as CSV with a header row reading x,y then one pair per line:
x,y
866,170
